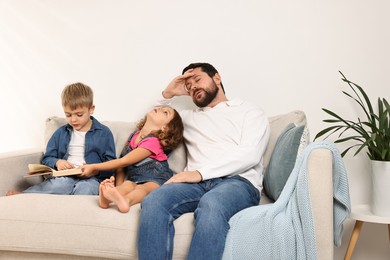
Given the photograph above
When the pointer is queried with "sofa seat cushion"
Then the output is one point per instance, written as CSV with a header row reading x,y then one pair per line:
x,y
76,225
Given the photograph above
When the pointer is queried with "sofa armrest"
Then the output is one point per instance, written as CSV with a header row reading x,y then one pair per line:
x,y
320,178
13,166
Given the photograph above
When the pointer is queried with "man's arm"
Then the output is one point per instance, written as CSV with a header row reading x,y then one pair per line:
x,y
177,86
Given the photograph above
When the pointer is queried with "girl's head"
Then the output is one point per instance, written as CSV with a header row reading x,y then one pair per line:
x,y
169,124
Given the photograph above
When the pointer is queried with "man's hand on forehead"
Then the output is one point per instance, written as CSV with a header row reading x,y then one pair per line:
x,y
188,74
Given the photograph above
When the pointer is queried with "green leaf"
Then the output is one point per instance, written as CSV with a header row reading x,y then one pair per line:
x,y
372,133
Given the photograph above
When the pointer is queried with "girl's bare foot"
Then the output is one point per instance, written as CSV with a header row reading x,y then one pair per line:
x,y
112,194
12,192
109,182
103,202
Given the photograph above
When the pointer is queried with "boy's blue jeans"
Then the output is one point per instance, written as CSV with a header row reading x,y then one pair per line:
x,y
66,186
213,203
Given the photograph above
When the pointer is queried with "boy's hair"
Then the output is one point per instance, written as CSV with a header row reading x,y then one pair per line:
x,y
171,138
206,68
77,95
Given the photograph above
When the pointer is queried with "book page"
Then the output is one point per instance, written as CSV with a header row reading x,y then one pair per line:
x,y
67,172
38,168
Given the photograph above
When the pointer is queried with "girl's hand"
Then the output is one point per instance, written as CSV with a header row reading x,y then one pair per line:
x,y
177,86
88,170
64,165
190,177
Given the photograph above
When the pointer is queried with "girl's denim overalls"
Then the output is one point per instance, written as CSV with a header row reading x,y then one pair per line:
x,y
146,170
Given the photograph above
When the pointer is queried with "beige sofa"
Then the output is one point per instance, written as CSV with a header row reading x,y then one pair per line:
x,y
39,226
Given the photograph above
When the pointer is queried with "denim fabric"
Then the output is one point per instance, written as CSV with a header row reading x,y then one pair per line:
x,y
66,186
213,202
153,171
99,146
147,169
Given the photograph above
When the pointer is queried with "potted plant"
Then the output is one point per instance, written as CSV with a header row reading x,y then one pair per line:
x,y
370,134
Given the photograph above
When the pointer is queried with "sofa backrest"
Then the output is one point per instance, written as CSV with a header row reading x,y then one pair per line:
x,y
177,159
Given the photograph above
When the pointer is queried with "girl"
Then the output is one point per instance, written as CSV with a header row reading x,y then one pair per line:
x,y
142,166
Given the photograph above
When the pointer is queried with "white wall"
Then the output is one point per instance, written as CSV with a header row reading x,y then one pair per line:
x,y
283,55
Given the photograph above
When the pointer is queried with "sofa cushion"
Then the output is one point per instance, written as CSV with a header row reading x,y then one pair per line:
x,y
76,225
277,124
282,160
177,159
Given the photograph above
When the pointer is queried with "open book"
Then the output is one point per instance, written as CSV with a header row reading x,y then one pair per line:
x,y
40,169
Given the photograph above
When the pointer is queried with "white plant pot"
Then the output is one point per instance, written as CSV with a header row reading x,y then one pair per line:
x,y
380,201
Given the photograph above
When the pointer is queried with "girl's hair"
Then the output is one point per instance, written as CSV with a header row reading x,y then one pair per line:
x,y
170,138
77,95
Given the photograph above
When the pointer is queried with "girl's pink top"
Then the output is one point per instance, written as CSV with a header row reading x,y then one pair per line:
x,y
152,144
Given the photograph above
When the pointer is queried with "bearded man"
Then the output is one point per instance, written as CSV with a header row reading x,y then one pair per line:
x,y
225,142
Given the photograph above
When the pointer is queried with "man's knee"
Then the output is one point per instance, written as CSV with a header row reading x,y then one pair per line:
x,y
150,200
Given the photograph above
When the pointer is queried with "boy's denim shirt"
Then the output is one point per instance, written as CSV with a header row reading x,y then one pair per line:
x,y
99,146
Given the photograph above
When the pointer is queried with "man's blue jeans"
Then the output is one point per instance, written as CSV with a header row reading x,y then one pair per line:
x,y
213,203
66,186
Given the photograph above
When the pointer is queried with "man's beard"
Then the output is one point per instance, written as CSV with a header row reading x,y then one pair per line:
x,y
208,96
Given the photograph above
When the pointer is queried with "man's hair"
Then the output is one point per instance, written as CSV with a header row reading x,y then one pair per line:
x,y
205,67
77,95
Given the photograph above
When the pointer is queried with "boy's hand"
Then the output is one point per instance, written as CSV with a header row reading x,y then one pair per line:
x,y
88,170
64,165
177,86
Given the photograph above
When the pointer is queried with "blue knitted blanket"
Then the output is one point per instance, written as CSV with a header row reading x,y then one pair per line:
x,y
285,229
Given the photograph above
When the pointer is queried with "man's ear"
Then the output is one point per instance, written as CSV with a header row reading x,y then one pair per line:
x,y
217,79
